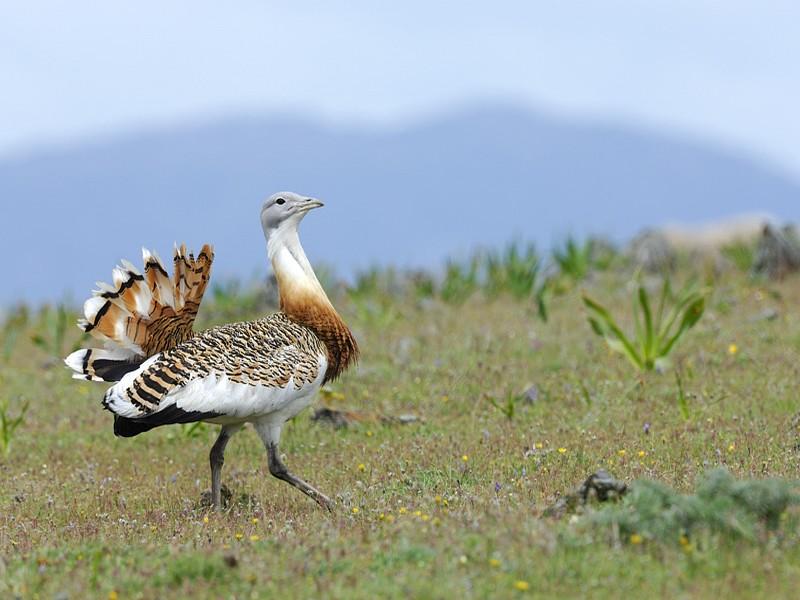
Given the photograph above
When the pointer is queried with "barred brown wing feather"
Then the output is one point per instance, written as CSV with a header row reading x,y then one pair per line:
x,y
208,371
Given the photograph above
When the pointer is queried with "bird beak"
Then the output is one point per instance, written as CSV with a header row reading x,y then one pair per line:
x,y
309,204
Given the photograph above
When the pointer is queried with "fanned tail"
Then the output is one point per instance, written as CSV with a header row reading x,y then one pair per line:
x,y
141,314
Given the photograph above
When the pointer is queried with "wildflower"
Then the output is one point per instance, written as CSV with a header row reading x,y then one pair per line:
x,y
205,519
686,544
636,539
642,453
621,452
425,517
238,536
355,510
522,586
438,522
465,457
462,559
417,513
254,538
562,450
438,499
403,510
493,562
733,349
369,434
381,517
362,467
112,595
539,445
732,447
445,398
254,521
390,518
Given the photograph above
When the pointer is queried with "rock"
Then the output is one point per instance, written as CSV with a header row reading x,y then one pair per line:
x,y
598,487
531,395
652,251
338,418
768,314
778,253
341,418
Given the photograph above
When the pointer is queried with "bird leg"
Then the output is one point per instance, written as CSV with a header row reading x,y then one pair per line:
x,y
279,470
217,458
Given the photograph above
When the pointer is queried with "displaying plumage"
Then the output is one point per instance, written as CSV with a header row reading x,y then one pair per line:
x,y
262,372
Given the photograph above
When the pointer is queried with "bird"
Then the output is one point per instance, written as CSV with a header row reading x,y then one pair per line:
x,y
262,372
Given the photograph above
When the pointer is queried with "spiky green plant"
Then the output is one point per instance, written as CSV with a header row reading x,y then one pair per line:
x,y
514,270
9,424
13,326
741,253
51,330
460,280
656,333
574,259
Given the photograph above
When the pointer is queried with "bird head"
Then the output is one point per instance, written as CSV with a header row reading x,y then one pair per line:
x,y
284,211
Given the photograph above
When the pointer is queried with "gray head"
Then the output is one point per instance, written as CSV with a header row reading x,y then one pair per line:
x,y
285,210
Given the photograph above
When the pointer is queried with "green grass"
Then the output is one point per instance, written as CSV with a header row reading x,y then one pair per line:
x,y
448,506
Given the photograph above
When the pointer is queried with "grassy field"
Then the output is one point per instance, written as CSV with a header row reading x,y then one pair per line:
x,y
448,506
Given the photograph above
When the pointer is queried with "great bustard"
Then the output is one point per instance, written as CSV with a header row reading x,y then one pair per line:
x,y
262,372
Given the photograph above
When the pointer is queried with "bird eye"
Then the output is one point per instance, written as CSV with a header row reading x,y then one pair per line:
x,y
280,201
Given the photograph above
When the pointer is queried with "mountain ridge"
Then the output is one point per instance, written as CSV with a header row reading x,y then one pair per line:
x,y
407,196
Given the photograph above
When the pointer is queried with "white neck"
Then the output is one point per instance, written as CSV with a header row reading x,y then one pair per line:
x,y
289,260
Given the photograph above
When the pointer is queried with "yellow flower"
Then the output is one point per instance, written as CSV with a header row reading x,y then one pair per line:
x,y
493,562
732,447
390,518
369,434
425,517
562,450
362,467
254,538
642,453
239,536
403,510
205,519
381,517
636,539
733,349
355,510
438,499
465,457
539,445
112,595
684,540
621,452
445,398
462,559
417,513
254,520
522,586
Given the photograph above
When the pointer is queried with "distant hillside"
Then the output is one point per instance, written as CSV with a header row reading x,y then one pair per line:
x,y
409,197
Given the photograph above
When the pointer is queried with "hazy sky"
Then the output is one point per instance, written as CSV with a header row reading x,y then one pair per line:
x,y
724,70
